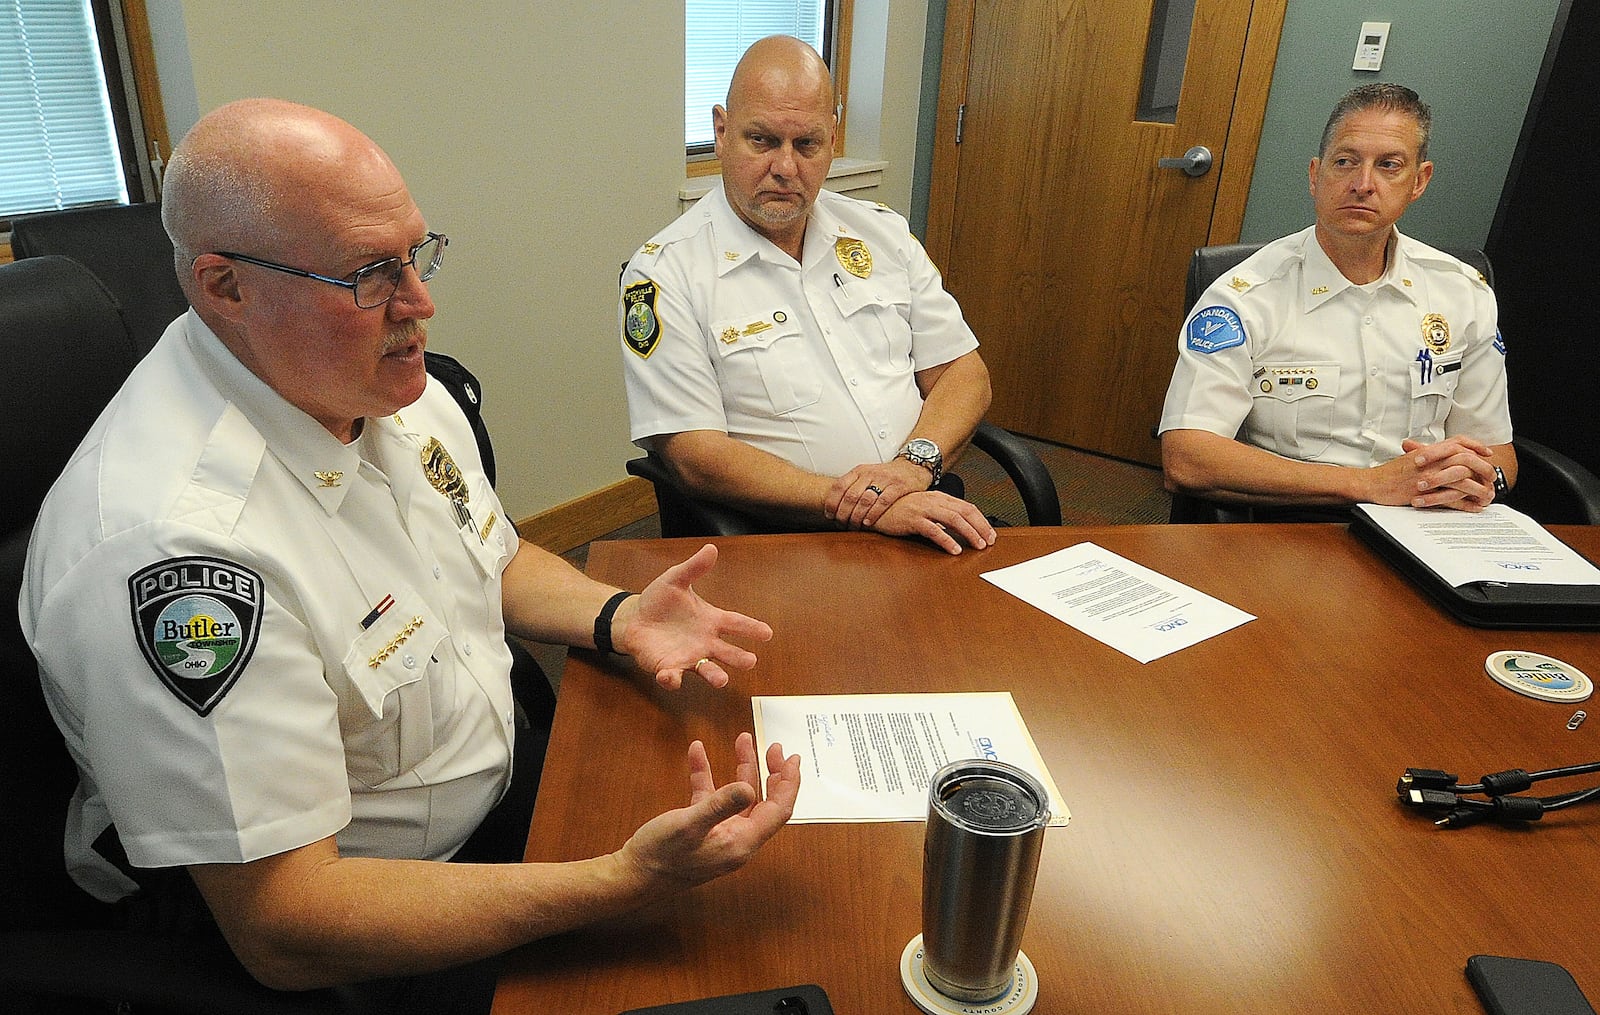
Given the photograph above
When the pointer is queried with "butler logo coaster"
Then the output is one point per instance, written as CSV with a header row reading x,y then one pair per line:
x,y
1539,676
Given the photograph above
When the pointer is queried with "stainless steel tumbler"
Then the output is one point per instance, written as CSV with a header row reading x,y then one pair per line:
x,y
986,822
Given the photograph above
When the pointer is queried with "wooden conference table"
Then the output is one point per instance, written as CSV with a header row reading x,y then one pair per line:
x,y
1235,846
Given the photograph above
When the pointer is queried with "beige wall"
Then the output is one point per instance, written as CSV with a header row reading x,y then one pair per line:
x,y
546,139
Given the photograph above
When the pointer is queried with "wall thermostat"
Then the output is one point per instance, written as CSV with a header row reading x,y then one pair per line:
x,y
1369,45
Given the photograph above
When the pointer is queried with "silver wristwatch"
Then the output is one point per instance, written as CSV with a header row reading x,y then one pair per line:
x,y
923,452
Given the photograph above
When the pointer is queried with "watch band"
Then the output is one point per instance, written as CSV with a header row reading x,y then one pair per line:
x,y
1500,484
602,622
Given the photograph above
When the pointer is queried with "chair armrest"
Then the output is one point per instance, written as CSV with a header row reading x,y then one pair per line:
x,y
683,515
1550,483
1026,469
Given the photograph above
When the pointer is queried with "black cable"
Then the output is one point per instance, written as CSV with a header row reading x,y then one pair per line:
x,y
1438,790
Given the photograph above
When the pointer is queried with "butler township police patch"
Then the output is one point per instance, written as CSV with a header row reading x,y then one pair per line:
x,y
197,620
641,330
1214,329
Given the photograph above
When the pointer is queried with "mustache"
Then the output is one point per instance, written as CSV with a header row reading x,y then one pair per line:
x,y
405,334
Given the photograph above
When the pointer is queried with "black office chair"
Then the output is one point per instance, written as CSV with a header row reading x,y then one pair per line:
x,y
127,250
68,348
1558,490
684,515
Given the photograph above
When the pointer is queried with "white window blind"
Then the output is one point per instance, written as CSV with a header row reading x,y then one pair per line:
x,y
58,147
718,33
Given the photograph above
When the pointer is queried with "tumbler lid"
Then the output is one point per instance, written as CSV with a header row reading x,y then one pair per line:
x,y
989,797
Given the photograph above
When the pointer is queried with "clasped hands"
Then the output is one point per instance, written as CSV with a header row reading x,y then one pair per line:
x,y
893,498
1455,473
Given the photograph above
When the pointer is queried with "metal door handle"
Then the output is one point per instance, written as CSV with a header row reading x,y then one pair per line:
x,y
1196,161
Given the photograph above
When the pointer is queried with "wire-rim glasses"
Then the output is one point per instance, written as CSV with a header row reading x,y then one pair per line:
x,y
372,285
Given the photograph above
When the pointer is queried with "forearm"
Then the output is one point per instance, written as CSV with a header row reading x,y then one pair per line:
x,y
546,599
299,925
1204,464
713,466
955,396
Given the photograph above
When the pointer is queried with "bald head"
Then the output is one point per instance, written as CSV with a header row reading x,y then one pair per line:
x,y
258,174
782,65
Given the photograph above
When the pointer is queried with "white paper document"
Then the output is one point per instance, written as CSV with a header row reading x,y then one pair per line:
x,y
1137,611
1497,544
870,757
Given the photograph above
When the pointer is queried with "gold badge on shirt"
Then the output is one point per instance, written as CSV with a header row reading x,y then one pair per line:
x,y
442,472
853,256
1436,333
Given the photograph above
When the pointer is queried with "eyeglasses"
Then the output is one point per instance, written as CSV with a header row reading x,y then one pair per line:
x,y
375,284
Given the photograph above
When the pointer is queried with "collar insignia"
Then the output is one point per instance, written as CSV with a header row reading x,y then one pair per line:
x,y
1238,284
1320,290
651,248
330,478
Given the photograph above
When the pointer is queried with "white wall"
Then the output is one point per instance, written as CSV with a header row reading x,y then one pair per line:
x,y
546,140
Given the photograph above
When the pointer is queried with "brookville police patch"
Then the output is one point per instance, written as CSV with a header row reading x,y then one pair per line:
x,y
197,620
641,329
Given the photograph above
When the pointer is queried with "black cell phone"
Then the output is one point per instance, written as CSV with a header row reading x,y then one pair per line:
x,y
1525,987
805,999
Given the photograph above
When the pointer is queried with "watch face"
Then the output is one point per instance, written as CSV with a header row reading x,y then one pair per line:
x,y
921,447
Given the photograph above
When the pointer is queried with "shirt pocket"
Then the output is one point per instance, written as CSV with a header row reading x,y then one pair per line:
x,y
1433,388
487,537
767,366
387,714
878,312
1293,407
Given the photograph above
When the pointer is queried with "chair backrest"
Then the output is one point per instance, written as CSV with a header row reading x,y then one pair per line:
x,y
67,349
126,248
1208,263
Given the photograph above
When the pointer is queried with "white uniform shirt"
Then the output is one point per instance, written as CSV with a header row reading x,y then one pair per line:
x,y
1288,355
814,362
196,589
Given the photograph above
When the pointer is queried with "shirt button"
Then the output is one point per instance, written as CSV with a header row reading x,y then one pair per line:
x,y
510,717
466,647
883,433
1374,371
1366,320
854,382
438,571
409,661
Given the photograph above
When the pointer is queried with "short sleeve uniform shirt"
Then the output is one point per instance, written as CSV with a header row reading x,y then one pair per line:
x,y
1288,355
254,636
814,362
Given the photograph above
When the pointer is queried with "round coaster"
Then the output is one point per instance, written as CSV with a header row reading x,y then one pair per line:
x,y
1016,1001
1539,676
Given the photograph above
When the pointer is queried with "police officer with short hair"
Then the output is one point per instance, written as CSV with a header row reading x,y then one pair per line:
x,y
1348,362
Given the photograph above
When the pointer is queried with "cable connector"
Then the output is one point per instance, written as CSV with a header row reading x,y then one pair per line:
x,y
1462,816
1430,798
1512,780
1424,778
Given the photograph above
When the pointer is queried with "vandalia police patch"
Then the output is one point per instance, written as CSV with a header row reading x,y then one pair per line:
x,y
197,621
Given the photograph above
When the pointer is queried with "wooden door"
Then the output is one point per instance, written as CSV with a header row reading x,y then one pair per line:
x,y
1063,240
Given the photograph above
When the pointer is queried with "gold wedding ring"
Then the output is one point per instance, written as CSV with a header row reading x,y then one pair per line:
x,y
700,662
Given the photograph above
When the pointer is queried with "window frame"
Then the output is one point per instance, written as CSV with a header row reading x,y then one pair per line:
x,y
842,17
127,52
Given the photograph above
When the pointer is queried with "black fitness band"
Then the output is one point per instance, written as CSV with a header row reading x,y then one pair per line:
x,y
602,622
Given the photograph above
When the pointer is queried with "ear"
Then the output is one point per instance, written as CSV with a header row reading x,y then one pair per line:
x,y
719,127
1312,173
1424,174
216,284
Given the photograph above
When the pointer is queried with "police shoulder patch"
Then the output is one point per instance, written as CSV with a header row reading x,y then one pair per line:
x,y
197,620
1214,329
641,329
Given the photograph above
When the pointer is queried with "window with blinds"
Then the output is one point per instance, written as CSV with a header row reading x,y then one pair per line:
x,y
718,33
58,143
